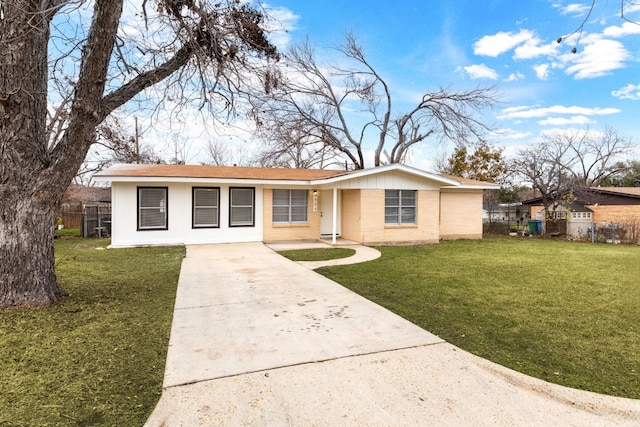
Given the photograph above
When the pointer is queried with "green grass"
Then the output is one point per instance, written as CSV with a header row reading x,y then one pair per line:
x,y
68,232
563,312
317,254
96,358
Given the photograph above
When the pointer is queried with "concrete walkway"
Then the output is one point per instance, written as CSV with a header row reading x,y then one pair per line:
x,y
258,340
363,253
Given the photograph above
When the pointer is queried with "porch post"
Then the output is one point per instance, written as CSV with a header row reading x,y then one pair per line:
x,y
335,216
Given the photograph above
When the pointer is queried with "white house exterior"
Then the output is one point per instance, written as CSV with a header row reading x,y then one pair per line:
x,y
184,204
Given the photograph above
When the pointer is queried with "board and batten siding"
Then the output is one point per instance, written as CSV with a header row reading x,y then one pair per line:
x,y
392,180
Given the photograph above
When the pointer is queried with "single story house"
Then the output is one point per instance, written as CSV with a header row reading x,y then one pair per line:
x,y
599,208
186,204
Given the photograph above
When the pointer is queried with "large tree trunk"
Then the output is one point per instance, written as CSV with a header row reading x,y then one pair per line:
x,y
32,179
26,203
34,176
26,251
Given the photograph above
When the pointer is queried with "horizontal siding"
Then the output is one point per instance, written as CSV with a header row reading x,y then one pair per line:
x,y
626,213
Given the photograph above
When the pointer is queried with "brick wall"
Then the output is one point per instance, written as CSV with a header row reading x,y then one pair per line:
x,y
372,229
284,232
351,215
461,215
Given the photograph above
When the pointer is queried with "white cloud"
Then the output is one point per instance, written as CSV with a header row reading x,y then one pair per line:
x,y
628,92
627,28
542,71
564,121
534,48
525,44
515,77
524,112
508,133
574,9
631,7
599,58
281,22
481,72
500,43
593,133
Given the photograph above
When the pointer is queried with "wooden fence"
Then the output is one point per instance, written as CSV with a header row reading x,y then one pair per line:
x,y
93,219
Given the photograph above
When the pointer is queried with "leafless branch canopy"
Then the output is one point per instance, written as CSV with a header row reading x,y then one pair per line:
x,y
193,53
571,160
346,107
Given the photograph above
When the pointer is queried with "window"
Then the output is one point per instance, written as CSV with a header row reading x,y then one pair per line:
x,y
578,215
290,206
400,207
241,207
206,207
152,208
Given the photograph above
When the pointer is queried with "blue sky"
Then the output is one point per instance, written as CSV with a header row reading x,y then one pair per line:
x,y
419,46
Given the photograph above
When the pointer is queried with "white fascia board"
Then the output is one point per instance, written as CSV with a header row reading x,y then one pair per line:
x,y
234,181
486,186
280,182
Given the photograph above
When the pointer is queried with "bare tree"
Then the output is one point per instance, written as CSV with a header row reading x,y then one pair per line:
x,y
217,154
115,145
569,162
328,101
51,53
292,144
220,154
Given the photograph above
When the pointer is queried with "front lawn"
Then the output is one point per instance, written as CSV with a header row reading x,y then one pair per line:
x,y
96,358
317,254
564,312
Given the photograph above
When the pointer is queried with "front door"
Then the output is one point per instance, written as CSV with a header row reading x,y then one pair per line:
x,y
326,213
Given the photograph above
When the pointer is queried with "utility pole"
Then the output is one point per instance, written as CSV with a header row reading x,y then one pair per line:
x,y
137,147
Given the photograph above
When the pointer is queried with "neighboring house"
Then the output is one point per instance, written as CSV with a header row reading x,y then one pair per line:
x,y
183,204
511,212
600,208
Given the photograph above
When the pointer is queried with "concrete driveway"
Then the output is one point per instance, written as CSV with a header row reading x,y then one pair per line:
x,y
258,340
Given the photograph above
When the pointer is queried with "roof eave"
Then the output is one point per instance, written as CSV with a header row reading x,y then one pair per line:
x,y
487,186
240,181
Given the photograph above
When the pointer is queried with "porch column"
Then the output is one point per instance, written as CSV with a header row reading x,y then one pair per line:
x,y
335,216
